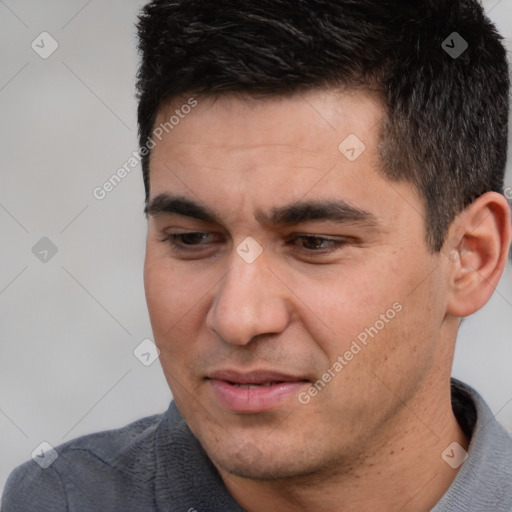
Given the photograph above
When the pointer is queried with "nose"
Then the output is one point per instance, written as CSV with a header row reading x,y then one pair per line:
x,y
250,301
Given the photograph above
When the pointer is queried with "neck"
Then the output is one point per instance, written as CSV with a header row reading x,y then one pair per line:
x,y
401,470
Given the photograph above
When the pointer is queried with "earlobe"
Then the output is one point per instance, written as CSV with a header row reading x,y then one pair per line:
x,y
478,246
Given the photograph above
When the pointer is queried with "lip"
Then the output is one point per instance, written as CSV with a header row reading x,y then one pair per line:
x,y
278,388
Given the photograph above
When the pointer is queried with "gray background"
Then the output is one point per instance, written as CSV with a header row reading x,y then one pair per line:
x,y
69,325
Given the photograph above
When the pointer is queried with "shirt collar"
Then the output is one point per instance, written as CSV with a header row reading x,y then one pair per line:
x,y
484,481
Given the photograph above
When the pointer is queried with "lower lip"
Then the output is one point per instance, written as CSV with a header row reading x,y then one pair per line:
x,y
253,400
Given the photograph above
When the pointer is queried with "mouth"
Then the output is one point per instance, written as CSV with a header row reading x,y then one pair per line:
x,y
253,386
254,392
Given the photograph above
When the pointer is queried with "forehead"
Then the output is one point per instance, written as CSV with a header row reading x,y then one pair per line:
x,y
307,120
308,132
244,155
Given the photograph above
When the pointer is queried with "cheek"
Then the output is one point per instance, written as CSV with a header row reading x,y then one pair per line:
x,y
380,313
171,299
402,333
343,302
161,292
177,302
168,293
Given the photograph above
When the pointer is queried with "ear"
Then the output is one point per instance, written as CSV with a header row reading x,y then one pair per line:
x,y
478,246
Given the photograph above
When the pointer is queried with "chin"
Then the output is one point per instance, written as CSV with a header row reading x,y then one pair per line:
x,y
268,463
266,468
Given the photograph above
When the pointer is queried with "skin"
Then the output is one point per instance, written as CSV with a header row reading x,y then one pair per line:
x,y
372,438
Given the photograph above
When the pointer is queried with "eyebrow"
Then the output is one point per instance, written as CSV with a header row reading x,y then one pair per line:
x,y
289,214
165,204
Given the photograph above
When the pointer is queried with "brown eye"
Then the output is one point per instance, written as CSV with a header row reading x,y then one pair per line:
x,y
315,247
316,242
191,238
192,241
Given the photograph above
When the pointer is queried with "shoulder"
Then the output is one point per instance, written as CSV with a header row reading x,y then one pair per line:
x,y
114,466
28,489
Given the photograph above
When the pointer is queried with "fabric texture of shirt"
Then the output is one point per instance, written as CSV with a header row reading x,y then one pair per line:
x,y
156,464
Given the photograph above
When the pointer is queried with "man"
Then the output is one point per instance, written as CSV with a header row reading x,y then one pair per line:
x,y
324,187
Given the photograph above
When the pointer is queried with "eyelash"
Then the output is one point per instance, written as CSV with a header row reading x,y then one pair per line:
x,y
171,239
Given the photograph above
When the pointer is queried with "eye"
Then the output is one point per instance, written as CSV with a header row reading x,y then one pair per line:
x,y
190,238
314,244
188,241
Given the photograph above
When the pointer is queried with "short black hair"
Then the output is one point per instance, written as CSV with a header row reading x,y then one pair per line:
x,y
446,121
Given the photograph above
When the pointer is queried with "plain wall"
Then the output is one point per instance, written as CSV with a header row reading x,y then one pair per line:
x,y
69,325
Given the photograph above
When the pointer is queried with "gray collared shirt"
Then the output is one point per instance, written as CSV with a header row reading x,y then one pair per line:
x,y
484,481
156,464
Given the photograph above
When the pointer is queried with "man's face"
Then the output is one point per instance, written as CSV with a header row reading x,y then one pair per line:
x,y
336,270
